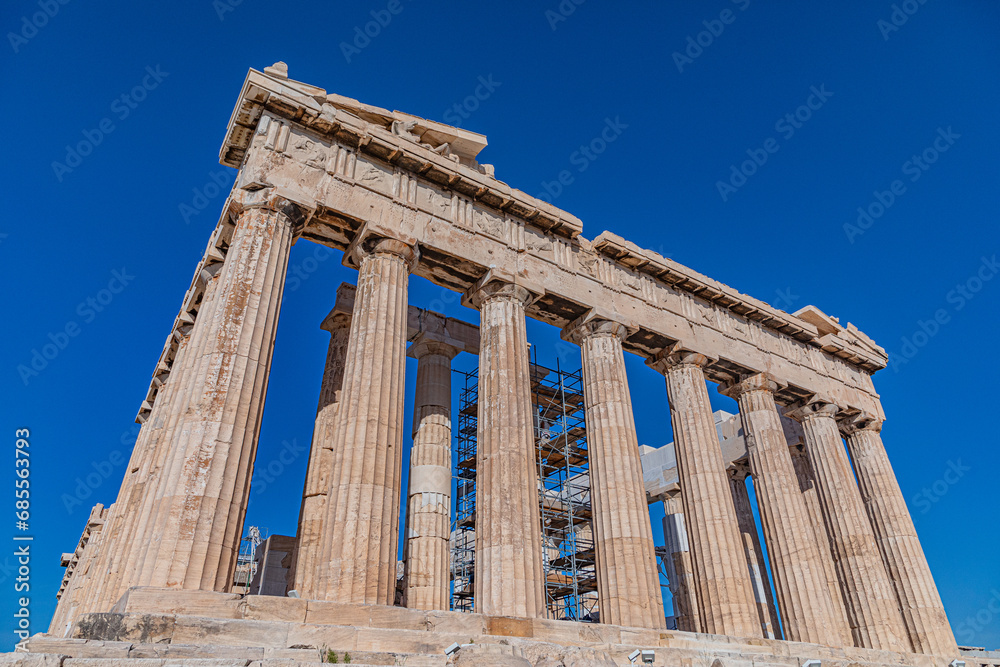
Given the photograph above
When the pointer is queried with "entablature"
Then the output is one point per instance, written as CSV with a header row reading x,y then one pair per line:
x,y
362,179
333,120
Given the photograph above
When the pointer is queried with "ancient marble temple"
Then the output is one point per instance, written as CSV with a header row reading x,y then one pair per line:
x,y
402,196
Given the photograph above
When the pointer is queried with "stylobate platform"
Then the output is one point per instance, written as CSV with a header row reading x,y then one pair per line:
x,y
153,627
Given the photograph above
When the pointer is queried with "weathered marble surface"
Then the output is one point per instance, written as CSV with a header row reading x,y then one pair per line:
x,y
807,612
404,195
627,579
869,598
509,579
428,498
362,514
724,590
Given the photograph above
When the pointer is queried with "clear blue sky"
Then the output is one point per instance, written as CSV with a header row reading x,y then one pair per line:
x,y
880,97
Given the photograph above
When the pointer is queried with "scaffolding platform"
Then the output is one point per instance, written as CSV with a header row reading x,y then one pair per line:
x,y
564,493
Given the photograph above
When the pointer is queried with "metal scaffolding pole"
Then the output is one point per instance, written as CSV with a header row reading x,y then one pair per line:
x,y
564,494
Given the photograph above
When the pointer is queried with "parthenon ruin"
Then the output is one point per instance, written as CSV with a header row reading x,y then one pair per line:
x,y
402,196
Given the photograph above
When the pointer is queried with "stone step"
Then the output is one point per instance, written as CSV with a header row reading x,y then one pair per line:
x,y
84,653
316,622
223,662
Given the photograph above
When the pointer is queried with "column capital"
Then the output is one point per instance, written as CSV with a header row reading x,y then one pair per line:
x,y
677,355
495,288
368,246
672,502
343,305
335,320
296,208
755,382
589,325
812,408
423,345
849,425
740,470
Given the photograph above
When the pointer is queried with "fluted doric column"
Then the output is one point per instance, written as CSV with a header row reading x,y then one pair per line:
x,y
868,595
680,575
923,612
725,596
362,514
628,581
125,535
191,536
428,504
807,612
306,570
509,577
766,610
70,598
807,486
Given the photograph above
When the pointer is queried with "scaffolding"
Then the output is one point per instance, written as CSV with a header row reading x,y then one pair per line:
x,y
564,494
664,570
463,536
246,560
